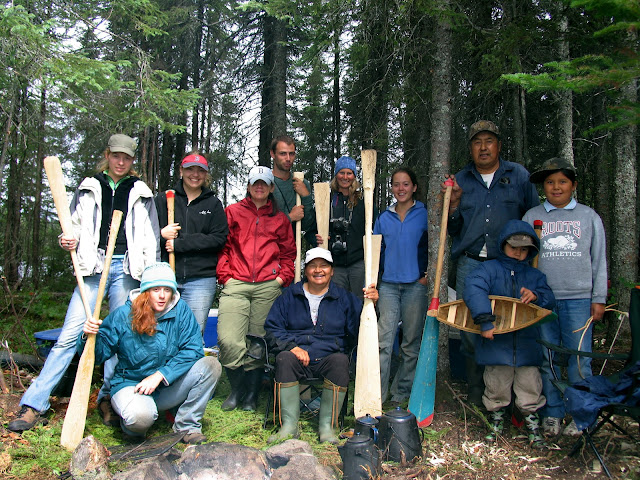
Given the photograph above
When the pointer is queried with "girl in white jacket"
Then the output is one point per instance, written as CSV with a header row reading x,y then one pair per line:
x,y
115,186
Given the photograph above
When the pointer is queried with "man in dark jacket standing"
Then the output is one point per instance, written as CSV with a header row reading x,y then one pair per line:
x,y
487,193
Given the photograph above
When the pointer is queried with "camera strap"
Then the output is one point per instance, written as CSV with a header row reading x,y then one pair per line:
x,y
345,207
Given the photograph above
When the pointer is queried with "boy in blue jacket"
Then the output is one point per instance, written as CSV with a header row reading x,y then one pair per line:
x,y
510,359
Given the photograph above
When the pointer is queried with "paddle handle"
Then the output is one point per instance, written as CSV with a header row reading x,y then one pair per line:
x,y
322,197
537,227
435,300
171,218
75,418
298,273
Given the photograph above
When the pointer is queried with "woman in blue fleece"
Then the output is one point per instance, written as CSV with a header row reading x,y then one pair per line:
x,y
510,359
403,289
161,364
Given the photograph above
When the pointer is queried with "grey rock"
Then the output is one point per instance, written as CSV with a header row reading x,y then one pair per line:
x,y
89,461
280,454
155,468
223,461
303,466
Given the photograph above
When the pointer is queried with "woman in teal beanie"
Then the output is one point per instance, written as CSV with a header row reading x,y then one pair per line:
x,y
161,363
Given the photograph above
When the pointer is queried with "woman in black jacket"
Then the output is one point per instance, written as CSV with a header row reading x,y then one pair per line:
x,y
197,235
346,227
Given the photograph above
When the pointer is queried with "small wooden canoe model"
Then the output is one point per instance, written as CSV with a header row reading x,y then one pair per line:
x,y
511,314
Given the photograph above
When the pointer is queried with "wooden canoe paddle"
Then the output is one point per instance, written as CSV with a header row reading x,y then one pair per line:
x,y
171,215
423,392
367,396
75,418
299,176
322,197
53,169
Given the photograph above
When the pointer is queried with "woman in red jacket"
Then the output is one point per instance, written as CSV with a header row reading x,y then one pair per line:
x,y
257,260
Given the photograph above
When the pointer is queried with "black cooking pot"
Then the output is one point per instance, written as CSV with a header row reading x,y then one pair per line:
x,y
360,458
399,436
368,426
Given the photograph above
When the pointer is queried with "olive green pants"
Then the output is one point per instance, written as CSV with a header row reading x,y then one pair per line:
x,y
243,309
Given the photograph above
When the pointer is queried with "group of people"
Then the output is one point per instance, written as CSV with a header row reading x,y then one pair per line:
x,y
494,204
151,342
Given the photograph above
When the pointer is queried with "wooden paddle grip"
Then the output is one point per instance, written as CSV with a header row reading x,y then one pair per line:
x,y
435,299
537,227
298,273
171,216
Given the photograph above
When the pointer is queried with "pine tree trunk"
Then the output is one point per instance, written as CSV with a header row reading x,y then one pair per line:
x,y
273,118
36,247
624,235
565,99
439,166
12,250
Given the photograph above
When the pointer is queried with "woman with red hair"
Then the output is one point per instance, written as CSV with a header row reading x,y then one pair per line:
x,y
161,361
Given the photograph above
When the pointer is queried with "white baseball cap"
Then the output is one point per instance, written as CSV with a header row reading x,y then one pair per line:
x,y
260,173
318,252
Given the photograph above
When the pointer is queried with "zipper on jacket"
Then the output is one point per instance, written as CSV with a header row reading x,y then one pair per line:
x,y
186,222
255,242
513,283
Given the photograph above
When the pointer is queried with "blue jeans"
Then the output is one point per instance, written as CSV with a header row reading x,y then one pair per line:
x,y
119,284
466,265
190,393
350,278
572,315
406,303
198,293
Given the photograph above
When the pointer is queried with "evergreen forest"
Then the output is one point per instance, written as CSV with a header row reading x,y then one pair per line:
x,y
404,77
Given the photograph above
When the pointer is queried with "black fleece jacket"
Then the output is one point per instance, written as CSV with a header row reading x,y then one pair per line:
x,y
203,234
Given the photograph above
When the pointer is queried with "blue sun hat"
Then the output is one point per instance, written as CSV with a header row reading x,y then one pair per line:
x,y
158,275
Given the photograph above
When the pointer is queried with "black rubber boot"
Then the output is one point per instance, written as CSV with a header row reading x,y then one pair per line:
x,y
252,385
475,382
236,379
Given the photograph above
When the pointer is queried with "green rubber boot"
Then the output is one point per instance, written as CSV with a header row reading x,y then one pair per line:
x,y
289,403
330,406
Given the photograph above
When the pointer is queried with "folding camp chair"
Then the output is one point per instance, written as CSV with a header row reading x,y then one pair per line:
x,y
604,397
310,387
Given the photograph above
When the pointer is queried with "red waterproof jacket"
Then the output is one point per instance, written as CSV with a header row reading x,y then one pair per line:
x,y
259,247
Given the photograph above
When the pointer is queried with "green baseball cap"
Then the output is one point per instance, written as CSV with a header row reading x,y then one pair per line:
x,y
483,126
123,143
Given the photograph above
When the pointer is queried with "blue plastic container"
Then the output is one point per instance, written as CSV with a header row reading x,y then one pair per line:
x,y
210,335
45,340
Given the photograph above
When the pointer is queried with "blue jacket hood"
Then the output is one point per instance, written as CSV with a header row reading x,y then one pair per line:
x,y
517,227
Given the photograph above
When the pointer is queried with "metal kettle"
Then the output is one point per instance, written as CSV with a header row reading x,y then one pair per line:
x,y
367,426
399,436
360,458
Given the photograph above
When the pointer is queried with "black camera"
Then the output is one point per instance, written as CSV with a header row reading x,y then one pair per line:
x,y
338,246
339,225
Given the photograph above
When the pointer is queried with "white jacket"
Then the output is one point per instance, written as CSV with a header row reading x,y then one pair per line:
x,y
141,228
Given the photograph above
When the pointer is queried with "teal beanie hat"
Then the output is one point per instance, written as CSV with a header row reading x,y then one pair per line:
x,y
158,275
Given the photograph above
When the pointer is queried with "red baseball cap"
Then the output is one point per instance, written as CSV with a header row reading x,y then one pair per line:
x,y
198,160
